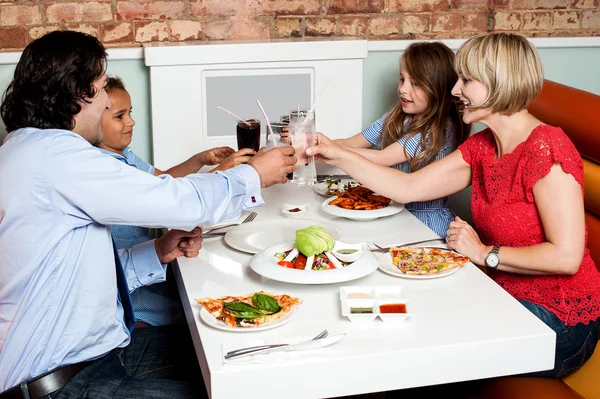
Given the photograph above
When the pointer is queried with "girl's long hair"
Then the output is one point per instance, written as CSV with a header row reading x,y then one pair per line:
x,y
431,67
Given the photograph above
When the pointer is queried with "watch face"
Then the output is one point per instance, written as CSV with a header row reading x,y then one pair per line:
x,y
492,260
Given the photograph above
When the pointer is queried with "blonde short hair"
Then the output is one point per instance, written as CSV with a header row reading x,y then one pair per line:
x,y
507,64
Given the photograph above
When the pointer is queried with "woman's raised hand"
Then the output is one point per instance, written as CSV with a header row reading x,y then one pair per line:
x,y
327,151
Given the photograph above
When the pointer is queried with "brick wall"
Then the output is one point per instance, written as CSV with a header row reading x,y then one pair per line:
x,y
132,23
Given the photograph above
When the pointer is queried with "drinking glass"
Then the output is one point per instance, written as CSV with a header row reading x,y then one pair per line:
x,y
276,140
302,133
248,134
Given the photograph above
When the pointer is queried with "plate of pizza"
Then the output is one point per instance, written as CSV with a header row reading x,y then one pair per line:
x,y
421,262
253,312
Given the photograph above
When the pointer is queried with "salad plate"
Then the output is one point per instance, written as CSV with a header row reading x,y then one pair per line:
x,y
209,319
256,236
266,264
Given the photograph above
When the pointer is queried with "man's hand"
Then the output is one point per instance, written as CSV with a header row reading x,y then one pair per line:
x,y
176,243
235,159
215,156
273,165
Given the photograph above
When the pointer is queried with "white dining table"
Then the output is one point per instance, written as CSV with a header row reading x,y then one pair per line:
x,y
462,327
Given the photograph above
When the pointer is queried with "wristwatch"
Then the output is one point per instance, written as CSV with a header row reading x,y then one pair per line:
x,y
493,260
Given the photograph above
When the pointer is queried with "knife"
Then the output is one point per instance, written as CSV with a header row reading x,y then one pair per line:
x,y
300,346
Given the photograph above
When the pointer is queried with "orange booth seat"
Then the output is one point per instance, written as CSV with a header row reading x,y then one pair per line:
x,y
577,112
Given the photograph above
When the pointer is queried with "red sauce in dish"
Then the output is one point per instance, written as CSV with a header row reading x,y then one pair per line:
x,y
393,308
295,210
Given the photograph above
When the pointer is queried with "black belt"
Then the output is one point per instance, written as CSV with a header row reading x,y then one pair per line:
x,y
45,384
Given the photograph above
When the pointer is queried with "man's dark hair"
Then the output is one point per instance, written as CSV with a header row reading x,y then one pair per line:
x,y
54,73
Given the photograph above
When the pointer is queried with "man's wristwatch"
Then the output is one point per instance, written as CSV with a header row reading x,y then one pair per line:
x,y
493,260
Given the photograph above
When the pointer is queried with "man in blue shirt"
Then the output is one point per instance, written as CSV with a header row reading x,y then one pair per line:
x,y
62,318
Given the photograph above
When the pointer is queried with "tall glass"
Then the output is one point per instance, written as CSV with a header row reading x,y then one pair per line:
x,y
276,140
248,134
302,133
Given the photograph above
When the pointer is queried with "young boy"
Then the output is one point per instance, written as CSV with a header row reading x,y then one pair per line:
x,y
157,304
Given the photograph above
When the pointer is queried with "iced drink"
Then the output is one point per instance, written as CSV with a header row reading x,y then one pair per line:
x,y
302,133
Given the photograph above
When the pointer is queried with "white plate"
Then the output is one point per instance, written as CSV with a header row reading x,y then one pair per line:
x,y
321,188
387,266
352,214
256,236
266,265
213,322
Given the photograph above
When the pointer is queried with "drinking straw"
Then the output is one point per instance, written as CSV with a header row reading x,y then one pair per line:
x,y
319,95
267,118
239,118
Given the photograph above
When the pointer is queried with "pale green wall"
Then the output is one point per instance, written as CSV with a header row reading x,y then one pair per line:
x,y
576,67
135,75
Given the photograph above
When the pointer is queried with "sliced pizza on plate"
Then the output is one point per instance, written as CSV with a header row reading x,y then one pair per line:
x,y
253,310
425,261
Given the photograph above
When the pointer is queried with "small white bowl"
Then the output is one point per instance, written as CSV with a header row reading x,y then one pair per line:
x,y
294,215
357,251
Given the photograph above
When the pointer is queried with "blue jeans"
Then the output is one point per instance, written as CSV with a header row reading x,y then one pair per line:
x,y
159,362
574,344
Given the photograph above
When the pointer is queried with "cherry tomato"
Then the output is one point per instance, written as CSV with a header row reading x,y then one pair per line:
x,y
286,264
331,265
300,262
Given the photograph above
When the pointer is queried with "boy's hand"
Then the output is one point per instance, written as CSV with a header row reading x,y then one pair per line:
x,y
273,165
235,159
176,243
215,156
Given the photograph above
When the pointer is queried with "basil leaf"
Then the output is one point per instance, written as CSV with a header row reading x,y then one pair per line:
x,y
266,303
247,315
241,307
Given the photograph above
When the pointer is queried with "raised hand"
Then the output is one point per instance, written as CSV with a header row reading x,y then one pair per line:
x,y
273,165
235,159
326,150
216,155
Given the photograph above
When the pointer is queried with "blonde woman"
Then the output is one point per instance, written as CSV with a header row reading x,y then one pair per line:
x,y
527,194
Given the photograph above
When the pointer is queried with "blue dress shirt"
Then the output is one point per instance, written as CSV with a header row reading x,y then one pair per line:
x,y
58,290
156,304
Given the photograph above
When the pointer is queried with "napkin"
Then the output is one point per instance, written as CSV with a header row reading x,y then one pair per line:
x,y
279,356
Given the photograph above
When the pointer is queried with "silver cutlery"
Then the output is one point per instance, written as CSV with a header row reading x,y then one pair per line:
x,y
320,341
406,244
248,219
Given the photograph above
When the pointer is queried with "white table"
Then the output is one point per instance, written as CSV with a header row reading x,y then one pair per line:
x,y
463,327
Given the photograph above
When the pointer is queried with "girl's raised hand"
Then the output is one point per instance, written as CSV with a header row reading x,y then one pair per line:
x,y
462,238
325,150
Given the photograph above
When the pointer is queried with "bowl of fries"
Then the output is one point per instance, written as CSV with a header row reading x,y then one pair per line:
x,y
361,203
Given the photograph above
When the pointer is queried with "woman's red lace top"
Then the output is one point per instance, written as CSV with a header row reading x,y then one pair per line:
x,y
505,214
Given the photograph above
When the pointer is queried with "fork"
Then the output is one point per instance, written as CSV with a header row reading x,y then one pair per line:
x,y
406,244
260,348
248,219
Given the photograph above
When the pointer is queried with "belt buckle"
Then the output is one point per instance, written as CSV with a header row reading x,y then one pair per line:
x,y
24,390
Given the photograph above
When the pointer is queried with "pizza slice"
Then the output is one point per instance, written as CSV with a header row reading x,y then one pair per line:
x,y
425,261
251,310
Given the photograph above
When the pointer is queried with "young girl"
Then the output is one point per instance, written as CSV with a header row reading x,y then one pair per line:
x,y
424,125
158,304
